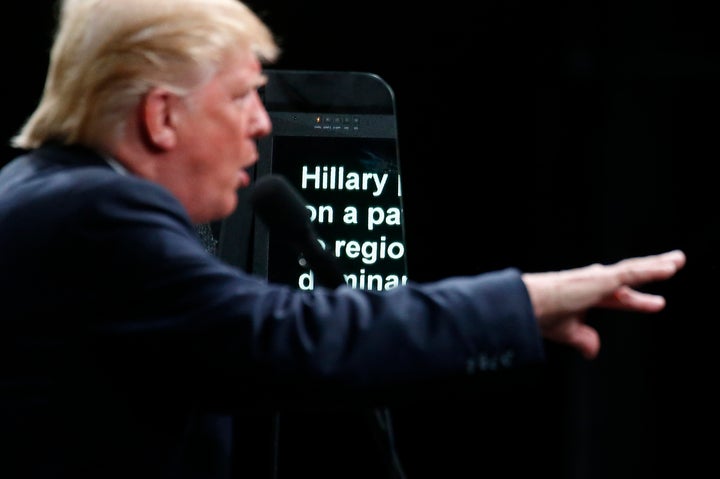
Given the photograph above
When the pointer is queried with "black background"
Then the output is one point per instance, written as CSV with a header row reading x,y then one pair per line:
x,y
542,135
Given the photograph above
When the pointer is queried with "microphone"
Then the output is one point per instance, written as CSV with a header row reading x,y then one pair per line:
x,y
282,209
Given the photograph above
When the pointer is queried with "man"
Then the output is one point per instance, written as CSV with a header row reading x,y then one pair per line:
x,y
126,345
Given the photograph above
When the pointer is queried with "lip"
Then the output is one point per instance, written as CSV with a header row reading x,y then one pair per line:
x,y
243,179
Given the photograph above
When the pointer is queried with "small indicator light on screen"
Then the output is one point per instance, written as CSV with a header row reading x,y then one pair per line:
x,y
318,119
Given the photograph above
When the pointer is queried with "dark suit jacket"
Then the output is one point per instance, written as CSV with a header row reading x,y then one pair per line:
x,y
125,345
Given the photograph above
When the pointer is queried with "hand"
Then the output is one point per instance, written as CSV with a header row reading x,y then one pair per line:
x,y
561,299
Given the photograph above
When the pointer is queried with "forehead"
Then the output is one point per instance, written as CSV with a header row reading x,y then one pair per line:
x,y
242,68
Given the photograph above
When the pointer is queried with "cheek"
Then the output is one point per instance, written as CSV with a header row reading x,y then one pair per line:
x,y
230,129
220,137
216,147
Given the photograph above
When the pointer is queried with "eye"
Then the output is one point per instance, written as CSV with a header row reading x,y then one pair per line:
x,y
242,97
247,96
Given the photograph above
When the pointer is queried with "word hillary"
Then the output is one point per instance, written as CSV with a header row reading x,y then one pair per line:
x,y
335,178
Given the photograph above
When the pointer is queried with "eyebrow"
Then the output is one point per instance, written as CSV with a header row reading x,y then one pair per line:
x,y
259,81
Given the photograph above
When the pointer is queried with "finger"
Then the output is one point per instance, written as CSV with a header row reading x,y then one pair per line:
x,y
629,299
586,340
635,271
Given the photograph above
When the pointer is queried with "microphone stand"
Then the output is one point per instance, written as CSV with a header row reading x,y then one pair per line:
x,y
328,274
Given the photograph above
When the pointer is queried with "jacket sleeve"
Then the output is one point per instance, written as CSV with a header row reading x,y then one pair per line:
x,y
198,325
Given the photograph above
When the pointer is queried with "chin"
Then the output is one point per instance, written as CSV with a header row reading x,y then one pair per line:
x,y
219,212
227,208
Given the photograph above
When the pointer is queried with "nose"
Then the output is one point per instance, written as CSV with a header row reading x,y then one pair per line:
x,y
260,124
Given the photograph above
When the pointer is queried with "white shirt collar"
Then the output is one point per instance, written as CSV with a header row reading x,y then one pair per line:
x,y
115,165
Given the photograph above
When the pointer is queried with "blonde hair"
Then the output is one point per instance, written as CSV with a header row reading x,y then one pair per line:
x,y
108,53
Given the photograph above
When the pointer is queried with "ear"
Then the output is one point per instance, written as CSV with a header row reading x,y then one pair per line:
x,y
156,118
